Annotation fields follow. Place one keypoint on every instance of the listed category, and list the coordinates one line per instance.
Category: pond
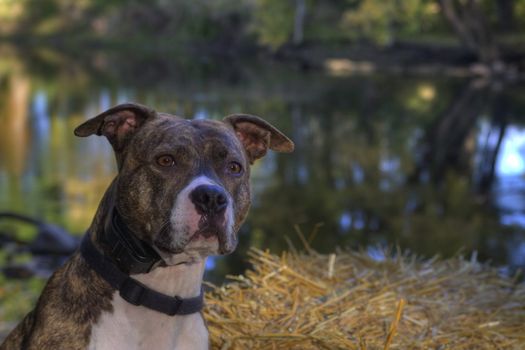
(429, 164)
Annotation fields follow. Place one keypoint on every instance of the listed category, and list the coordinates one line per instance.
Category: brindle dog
(164, 163)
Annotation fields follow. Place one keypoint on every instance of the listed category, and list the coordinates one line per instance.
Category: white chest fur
(131, 327)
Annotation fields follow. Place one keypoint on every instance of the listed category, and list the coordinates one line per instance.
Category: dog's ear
(257, 136)
(117, 123)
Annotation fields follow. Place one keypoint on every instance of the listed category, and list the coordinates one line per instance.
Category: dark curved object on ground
(50, 248)
(50, 240)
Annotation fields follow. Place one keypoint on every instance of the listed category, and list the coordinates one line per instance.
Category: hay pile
(350, 301)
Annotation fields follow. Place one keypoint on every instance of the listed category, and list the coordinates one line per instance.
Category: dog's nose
(209, 199)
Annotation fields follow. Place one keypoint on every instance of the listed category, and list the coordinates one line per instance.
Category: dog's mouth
(210, 225)
(213, 236)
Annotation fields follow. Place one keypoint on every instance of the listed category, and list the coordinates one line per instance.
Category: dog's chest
(130, 327)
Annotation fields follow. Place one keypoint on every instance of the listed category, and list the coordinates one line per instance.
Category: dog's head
(183, 185)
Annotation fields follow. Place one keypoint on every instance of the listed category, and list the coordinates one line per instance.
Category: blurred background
(408, 119)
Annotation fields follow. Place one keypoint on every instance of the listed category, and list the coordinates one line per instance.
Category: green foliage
(273, 22)
(269, 23)
(382, 21)
(17, 298)
(519, 14)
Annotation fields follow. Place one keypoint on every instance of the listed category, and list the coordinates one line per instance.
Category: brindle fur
(144, 193)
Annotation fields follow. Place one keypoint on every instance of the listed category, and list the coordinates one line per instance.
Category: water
(433, 164)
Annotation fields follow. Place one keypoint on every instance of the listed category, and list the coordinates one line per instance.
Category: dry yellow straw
(308, 301)
(393, 326)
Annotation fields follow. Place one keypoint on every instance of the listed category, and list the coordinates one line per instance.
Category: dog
(181, 193)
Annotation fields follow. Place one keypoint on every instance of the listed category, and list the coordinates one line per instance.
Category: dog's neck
(183, 280)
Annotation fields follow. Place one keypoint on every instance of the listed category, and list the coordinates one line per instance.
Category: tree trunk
(506, 20)
(471, 25)
(298, 28)
(443, 146)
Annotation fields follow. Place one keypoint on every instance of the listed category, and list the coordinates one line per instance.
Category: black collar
(130, 254)
(132, 290)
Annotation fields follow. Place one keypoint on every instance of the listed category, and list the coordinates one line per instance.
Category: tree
(472, 26)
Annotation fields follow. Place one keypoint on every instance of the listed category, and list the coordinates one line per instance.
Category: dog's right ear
(117, 123)
(257, 136)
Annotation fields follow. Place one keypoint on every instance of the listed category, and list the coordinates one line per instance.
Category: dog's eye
(234, 168)
(166, 161)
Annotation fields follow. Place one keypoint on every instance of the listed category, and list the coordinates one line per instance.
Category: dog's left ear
(117, 123)
(257, 136)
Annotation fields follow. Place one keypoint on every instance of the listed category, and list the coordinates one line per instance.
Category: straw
(350, 301)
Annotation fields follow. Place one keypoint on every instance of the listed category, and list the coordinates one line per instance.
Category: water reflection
(432, 164)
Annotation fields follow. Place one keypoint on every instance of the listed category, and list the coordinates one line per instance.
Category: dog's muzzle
(201, 221)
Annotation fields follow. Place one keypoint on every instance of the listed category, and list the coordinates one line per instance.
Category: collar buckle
(174, 307)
